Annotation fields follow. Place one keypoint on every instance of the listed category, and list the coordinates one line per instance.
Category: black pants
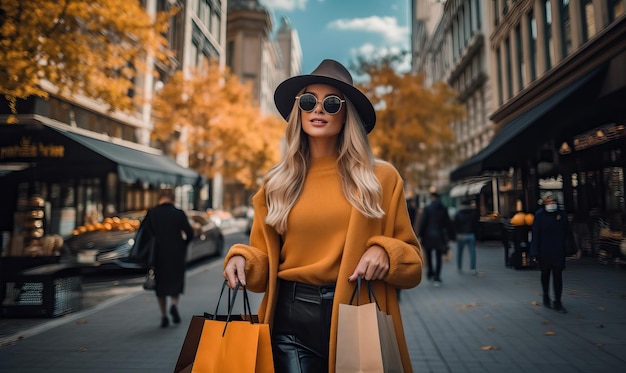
(434, 269)
(301, 331)
(548, 268)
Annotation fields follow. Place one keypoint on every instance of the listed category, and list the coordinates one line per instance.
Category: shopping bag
(150, 281)
(226, 343)
(366, 339)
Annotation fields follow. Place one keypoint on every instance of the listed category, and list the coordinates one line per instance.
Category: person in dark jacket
(550, 234)
(466, 222)
(435, 230)
(172, 232)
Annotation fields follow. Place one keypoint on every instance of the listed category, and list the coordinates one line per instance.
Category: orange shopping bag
(227, 343)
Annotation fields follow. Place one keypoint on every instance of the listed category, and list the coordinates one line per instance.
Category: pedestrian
(435, 231)
(551, 233)
(172, 232)
(325, 214)
(466, 223)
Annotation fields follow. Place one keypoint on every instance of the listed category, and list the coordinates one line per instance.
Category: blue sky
(344, 29)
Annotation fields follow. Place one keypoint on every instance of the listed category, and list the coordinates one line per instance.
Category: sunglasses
(331, 104)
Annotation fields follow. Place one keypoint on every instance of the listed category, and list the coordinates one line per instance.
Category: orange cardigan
(393, 232)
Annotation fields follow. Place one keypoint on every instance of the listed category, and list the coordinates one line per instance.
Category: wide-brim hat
(332, 73)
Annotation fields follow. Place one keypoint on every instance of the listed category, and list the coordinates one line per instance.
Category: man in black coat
(551, 233)
(172, 232)
(435, 230)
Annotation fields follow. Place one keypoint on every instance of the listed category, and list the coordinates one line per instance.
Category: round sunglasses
(331, 104)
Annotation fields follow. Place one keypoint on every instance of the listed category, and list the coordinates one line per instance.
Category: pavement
(490, 322)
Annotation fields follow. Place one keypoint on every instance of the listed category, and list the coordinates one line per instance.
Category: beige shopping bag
(366, 339)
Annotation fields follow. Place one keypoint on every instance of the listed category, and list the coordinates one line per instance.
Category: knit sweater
(316, 228)
(393, 232)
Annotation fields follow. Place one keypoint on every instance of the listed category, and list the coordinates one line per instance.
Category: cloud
(285, 5)
(374, 52)
(385, 26)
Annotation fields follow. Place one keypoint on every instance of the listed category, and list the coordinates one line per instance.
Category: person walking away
(466, 222)
(172, 231)
(550, 234)
(327, 213)
(435, 230)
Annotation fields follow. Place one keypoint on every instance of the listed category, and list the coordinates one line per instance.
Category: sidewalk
(493, 322)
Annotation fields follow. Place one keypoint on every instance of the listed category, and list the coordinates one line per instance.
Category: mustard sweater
(338, 247)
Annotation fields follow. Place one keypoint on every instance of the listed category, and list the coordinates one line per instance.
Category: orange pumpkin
(518, 219)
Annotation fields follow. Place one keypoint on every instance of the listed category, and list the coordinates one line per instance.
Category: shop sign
(29, 149)
(599, 135)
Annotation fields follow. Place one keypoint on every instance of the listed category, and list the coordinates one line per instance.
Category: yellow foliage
(94, 48)
(413, 120)
(215, 118)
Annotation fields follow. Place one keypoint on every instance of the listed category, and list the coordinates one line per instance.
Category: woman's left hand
(374, 264)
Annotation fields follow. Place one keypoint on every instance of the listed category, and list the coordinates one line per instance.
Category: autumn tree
(94, 48)
(213, 117)
(413, 121)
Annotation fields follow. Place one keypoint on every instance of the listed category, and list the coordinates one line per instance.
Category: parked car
(108, 244)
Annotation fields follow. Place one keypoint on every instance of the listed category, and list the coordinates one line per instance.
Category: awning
(514, 138)
(135, 165)
(57, 154)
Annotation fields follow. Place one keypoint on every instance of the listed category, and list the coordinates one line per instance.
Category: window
(521, 66)
(566, 28)
(587, 17)
(496, 13)
(507, 66)
(499, 75)
(532, 30)
(548, 34)
(616, 9)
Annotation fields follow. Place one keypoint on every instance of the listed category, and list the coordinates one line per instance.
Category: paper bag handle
(357, 292)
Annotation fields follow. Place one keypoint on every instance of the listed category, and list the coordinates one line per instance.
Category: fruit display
(109, 224)
(522, 218)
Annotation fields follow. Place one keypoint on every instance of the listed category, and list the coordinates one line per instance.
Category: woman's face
(318, 123)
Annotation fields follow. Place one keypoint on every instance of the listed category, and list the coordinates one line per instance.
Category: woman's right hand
(234, 271)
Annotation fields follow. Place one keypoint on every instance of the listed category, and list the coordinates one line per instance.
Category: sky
(344, 29)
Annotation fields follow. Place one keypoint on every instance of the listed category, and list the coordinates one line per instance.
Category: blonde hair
(283, 183)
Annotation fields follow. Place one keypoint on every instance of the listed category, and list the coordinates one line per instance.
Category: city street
(492, 322)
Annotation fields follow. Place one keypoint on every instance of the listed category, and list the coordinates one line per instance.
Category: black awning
(136, 165)
(515, 137)
(54, 153)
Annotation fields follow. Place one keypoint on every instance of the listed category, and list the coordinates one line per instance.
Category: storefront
(570, 142)
(54, 178)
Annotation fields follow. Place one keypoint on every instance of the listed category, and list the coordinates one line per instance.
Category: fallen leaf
(466, 306)
(546, 323)
(535, 303)
(491, 329)
(489, 347)
(81, 322)
(82, 349)
(572, 292)
(550, 332)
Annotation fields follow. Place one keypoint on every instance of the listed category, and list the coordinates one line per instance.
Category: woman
(166, 224)
(327, 213)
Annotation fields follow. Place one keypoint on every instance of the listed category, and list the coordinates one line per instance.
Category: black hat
(332, 73)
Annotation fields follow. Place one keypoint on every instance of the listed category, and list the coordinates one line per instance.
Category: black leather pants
(301, 331)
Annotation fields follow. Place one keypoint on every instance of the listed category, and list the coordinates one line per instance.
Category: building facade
(450, 45)
(559, 88)
(82, 162)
